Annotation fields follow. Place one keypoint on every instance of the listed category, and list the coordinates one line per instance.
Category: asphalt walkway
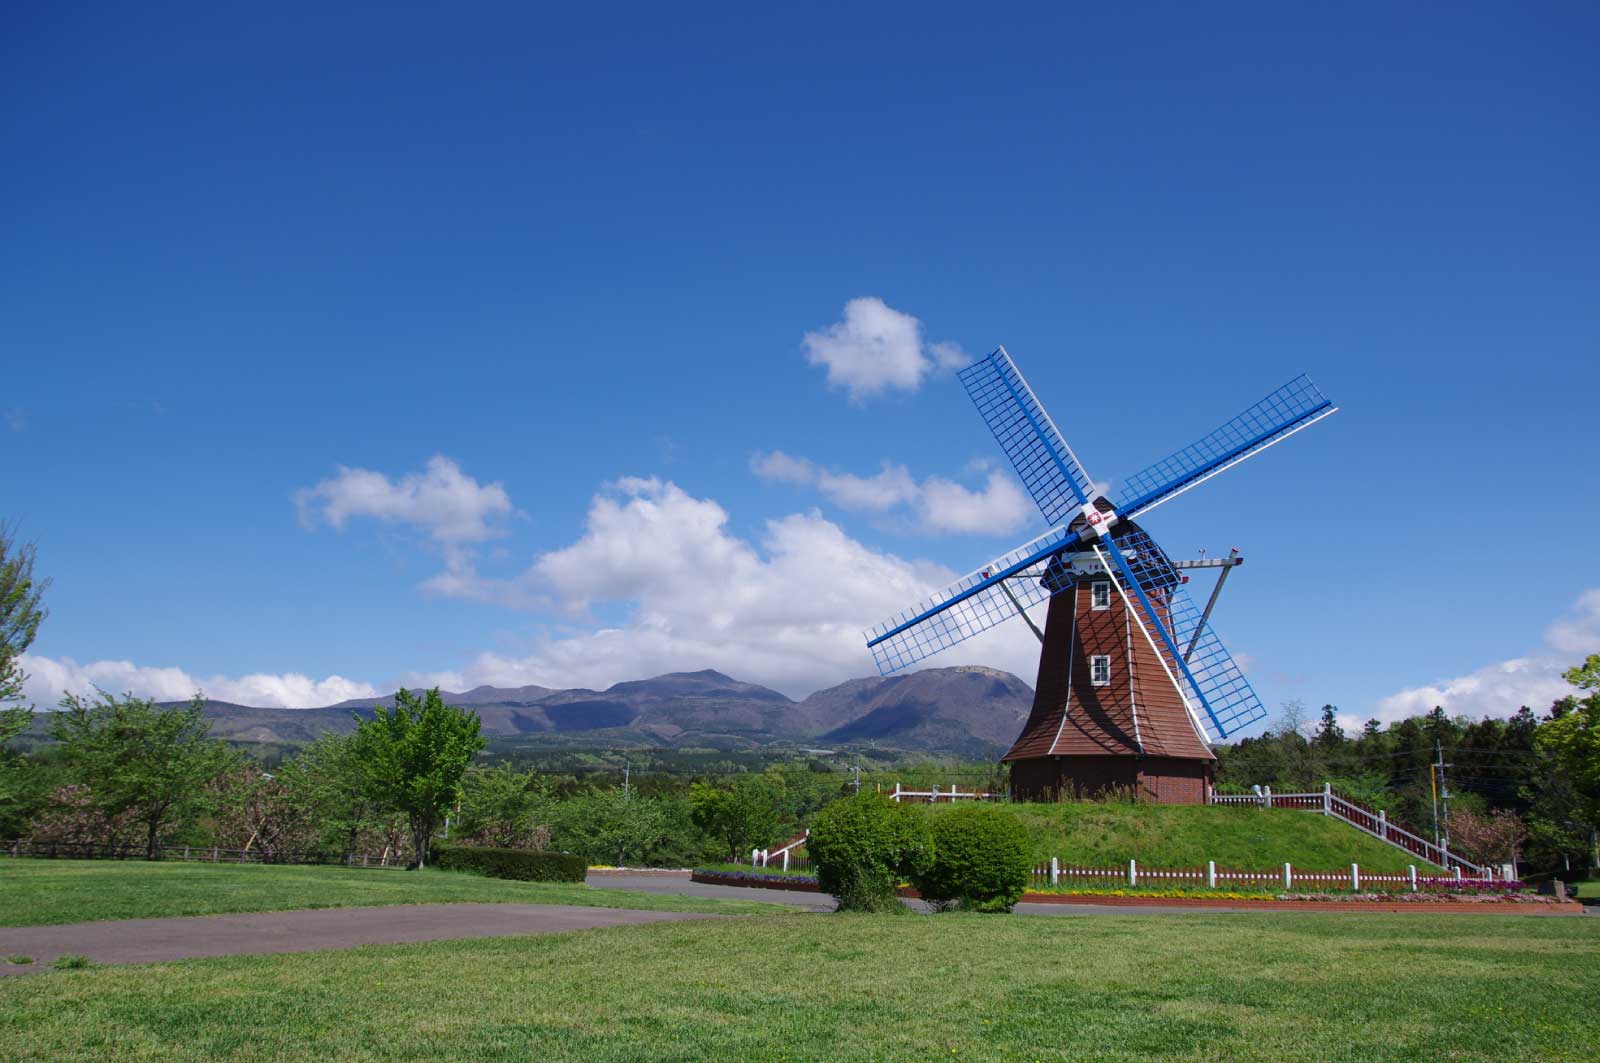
(186, 937)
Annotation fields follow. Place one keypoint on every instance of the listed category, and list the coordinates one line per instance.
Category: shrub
(523, 865)
(71, 961)
(980, 860)
(863, 846)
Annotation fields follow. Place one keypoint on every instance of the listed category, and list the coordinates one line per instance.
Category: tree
(614, 826)
(741, 817)
(1486, 838)
(255, 811)
(412, 758)
(502, 808)
(139, 757)
(1572, 739)
(327, 781)
(20, 616)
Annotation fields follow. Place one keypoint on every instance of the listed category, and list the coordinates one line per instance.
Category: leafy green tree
(503, 808)
(139, 757)
(412, 758)
(615, 826)
(21, 613)
(1572, 740)
(741, 817)
(327, 781)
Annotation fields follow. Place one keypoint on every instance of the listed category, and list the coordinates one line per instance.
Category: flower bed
(1200, 897)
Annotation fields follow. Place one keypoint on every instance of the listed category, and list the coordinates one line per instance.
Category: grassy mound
(1095, 834)
(41, 892)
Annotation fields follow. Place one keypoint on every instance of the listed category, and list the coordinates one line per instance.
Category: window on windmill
(1100, 594)
(1100, 669)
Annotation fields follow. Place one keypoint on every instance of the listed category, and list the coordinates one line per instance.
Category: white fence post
(1055, 870)
(1288, 876)
(1355, 877)
(1327, 799)
(786, 859)
(1413, 878)
(1266, 796)
(1133, 872)
(1458, 872)
(1211, 874)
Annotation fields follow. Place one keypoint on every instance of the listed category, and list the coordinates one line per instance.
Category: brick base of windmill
(1107, 716)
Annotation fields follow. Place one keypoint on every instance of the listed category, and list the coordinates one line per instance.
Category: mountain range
(965, 710)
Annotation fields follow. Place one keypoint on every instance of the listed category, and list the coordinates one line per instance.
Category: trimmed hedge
(524, 865)
(980, 860)
(863, 846)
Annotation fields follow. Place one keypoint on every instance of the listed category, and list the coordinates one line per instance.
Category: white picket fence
(764, 857)
(1287, 877)
(1375, 823)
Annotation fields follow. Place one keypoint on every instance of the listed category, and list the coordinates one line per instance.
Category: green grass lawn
(38, 892)
(1270, 988)
(1096, 834)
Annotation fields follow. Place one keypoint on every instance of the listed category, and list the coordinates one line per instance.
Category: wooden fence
(193, 854)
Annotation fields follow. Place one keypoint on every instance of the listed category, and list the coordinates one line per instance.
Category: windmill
(1133, 684)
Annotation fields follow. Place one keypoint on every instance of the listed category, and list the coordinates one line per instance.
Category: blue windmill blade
(1220, 698)
(972, 604)
(1048, 468)
(1296, 405)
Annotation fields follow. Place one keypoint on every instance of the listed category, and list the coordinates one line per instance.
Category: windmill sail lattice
(1215, 692)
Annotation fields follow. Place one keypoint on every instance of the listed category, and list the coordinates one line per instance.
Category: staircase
(1361, 818)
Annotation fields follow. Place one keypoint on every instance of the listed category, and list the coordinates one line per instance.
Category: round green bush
(980, 860)
(863, 846)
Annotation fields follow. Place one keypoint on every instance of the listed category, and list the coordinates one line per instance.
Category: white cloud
(51, 677)
(450, 506)
(787, 610)
(1578, 632)
(1501, 688)
(936, 504)
(875, 348)
(17, 419)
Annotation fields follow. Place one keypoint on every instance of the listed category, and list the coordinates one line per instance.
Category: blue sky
(346, 348)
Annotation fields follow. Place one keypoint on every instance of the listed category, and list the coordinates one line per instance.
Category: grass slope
(1096, 834)
(1270, 988)
(40, 892)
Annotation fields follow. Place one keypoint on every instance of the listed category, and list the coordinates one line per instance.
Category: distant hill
(958, 710)
(941, 710)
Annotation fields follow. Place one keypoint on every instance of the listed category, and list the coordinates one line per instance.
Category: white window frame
(1097, 677)
(1100, 595)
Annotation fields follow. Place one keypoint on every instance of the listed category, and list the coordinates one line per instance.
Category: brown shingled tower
(1106, 712)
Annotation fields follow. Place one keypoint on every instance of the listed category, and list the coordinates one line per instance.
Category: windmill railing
(1367, 820)
(935, 794)
(1286, 877)
(788, 856)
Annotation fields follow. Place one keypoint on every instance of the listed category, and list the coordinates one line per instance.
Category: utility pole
(626, 769)
(858, 778)
(1441, 793)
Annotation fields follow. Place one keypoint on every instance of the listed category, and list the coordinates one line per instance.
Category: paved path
(184, 937)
